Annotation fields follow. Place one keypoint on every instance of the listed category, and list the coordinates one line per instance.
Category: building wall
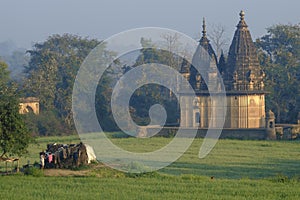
(30, 104)
(186, 115)
(243, 111)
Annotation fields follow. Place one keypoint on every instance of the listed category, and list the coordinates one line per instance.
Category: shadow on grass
(270, 168)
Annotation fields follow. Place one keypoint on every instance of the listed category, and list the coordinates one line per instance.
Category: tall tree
(149, 94)
(14, 136)
(280, 57)
(52, 71)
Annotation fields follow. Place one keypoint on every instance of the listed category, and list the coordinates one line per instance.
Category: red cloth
(50, 158)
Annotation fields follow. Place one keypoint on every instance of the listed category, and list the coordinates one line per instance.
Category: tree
(4, 77)
(280, 58)
(149, 94)
(51, 74)
(14, 136)
(16, 61)
(218, 39)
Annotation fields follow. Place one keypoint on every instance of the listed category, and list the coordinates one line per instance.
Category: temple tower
(242, 77)
(203, 107)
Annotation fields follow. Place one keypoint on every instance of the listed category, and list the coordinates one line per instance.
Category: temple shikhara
(243, 82)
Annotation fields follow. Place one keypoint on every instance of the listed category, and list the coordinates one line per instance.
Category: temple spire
(243, 71)
(242, 15)
(203, 28)
(203, 52)
(242, 23)
(204, 40)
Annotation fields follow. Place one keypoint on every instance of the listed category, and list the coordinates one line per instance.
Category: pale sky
(28, 21)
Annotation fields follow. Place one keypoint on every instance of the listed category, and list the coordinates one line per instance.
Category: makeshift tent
(68, 155)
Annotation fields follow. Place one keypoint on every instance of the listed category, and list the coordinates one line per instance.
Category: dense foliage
(14, 136)
(50, 76)
(150, 94)
(280, 59)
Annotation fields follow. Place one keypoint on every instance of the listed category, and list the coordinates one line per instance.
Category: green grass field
(241, 170)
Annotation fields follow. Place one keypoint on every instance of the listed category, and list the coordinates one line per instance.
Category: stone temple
(243, 81)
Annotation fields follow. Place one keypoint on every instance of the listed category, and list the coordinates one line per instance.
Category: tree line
(53, 65)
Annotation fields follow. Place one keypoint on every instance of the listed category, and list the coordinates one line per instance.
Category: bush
(117, 135)
(32, 171)
(106, 172)
(47, 123)
(281, 178)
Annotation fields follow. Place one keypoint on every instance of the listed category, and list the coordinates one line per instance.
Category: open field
(240, 170)
(183, 187)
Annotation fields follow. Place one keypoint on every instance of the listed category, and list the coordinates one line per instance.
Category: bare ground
(68, 172)
(65, 172)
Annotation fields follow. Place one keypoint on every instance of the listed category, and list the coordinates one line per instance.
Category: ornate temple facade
(243, 83)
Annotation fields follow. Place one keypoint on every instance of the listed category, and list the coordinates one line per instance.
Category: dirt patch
(65, 172)
(68, 172)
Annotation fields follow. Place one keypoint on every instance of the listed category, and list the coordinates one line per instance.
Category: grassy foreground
(182, 187)
(241, 170)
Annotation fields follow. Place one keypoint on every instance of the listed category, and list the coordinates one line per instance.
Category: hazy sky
(29, 21)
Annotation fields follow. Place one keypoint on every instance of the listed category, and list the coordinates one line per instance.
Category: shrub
(32, 171)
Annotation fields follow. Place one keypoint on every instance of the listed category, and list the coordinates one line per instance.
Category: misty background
(24, 23)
